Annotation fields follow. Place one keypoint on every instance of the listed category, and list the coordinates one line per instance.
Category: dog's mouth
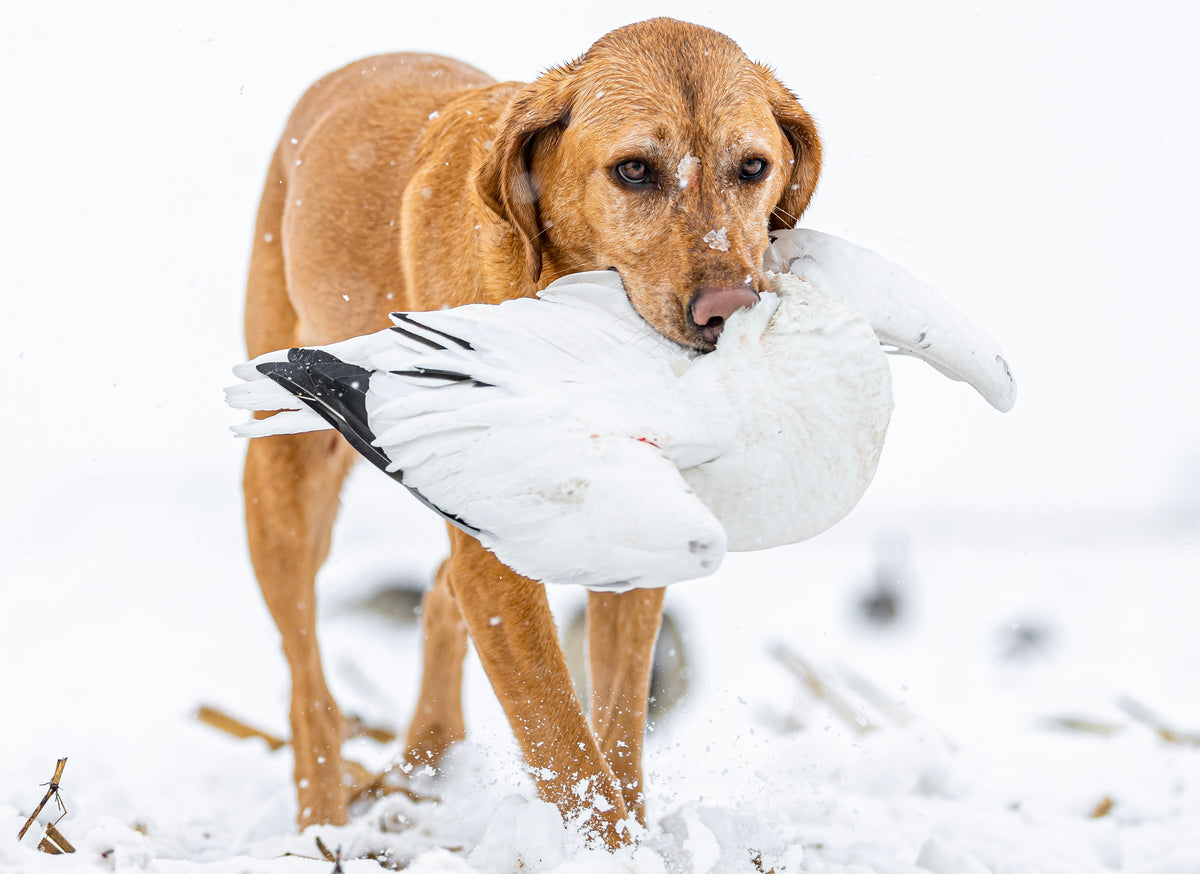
(710, 307)
(662, 323)
(696, 323)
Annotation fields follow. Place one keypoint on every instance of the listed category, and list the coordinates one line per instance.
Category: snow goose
(581, 446)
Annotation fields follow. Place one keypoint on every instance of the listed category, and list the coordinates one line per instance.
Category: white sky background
(1036, 162)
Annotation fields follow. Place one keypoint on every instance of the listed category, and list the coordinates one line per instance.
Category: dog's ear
(506, 182)
(801, 133)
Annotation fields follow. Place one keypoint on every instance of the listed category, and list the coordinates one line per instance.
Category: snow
(1029, 160)
(717, 238)
(689, 167)
(961, 771)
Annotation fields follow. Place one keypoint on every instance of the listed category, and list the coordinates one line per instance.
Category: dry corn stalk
(219, 719)
(226, 723)
(1083, 725)
(820, 688)
(53, 841)
(1103, 808)
(355, 727)
(363, 783)
(1141, 713)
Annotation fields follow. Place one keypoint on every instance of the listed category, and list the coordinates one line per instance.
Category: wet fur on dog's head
(663, 153)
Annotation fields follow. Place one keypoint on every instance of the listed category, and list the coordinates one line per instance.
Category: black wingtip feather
(447, 375)
(336, 390)
(407, 318)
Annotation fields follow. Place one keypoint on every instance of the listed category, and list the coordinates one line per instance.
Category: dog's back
(333, 193)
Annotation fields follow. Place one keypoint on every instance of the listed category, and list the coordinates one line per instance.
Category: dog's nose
(712, 305)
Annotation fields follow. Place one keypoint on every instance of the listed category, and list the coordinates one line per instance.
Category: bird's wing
(552, 499)
(904, 312)
(563, 505)
(259, 392)
(460, 405)
(583, 329)
(337, 392)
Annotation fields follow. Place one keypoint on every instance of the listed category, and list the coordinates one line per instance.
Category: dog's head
(665, 154)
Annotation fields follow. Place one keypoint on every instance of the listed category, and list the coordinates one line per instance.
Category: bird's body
(581, 446)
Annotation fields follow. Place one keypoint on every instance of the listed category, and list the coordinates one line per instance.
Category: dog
(415, 182)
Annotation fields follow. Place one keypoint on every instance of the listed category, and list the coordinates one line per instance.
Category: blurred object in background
(1026, 639)
(669, 678)
(889, 591)
(398, 601)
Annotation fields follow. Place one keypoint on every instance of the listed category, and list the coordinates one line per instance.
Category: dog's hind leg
(291, 486)
(438, 719)
(513, 630)
(621, 633)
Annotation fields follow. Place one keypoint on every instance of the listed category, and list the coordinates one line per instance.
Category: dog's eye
(633, 172)
(751, 169)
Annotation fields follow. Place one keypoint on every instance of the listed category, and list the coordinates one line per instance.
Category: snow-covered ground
(1033, 161)
(123, 628)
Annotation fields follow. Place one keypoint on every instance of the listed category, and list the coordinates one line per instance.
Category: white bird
(581, 446)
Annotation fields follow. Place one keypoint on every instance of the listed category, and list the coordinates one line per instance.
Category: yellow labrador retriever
(414, 182)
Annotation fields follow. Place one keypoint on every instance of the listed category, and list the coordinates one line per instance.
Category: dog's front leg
(621, 634)
(510, 622)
